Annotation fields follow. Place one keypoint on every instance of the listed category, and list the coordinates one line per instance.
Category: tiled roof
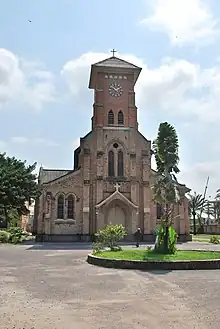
(47, 175)
(116, 62)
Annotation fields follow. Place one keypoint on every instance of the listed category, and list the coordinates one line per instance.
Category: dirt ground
(50, 288)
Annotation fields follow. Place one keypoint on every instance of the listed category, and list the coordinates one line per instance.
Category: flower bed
(149, 260)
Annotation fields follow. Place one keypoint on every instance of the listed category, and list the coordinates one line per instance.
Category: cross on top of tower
(113, 51)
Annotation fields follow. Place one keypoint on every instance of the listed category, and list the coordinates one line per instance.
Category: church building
(112, 177)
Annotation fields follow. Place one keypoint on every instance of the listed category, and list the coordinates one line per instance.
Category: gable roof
(60, 178)
(114, 196)
(116, 62)
(48, 175)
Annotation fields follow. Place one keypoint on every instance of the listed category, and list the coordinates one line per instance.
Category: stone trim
(100, 154)
(98, 105)
(117, 179)
(154, 265)
(65, 221)
(144, 153)
(61, 238)
(116, 195)
(116, 128)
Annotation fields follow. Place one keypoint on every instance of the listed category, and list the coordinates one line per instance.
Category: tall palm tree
(217, 194)
(196, 203)
(166, 189)
(217, 206)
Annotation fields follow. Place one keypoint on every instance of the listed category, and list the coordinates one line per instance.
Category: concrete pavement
(52, 286)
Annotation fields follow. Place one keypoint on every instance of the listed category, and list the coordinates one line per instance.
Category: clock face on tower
(115, 89)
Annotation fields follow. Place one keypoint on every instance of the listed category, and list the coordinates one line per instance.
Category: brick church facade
(112, 176)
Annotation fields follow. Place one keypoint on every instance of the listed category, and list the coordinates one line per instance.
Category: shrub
(160, 236)
(109, 237)
(4, 236)
(214, 240)
(16, 235)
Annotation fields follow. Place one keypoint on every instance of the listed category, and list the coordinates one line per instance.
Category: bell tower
(113, 81)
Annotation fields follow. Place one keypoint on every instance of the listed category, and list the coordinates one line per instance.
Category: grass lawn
(151, 256)
(204, 237)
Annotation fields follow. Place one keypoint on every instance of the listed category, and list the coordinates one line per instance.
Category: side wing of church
(112, 176)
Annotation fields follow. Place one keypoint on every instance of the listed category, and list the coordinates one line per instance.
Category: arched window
(120, 118)
(159, 211)
(60, 207)
(111, 117)
(120, 164)
(111, 163)
(70, 206)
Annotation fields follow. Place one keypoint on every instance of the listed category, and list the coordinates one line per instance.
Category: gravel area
(51, 286)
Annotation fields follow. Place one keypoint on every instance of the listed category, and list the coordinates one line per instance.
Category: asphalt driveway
(51, 286)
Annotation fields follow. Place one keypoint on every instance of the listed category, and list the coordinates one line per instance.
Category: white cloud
(177, 86)
(196, 177)
(175, 89)
(44, 142)
(19, 140)
(33, 141)
(185, 22)
(76, 143)
(2, 146)
(33, 87)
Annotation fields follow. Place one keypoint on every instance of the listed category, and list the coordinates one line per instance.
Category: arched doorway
(116, 215)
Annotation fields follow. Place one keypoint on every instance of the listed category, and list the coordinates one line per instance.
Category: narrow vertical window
(111, 170)
(111, 117)
(120, 118)
(159, 211)
(120, 164)
(70, 206)
(60, 207)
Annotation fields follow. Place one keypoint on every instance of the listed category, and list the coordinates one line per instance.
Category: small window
(120, 164)
(111, 164)
(60, 207)
(120, 118)
(70, 206)
(111, 118)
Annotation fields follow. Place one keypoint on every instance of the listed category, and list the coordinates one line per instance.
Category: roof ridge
(115, 58)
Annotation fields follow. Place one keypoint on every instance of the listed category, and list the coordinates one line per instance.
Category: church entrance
(116, 215)
(118, 211)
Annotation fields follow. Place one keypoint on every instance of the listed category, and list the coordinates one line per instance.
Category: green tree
(196, 203)
(166, 190)
(17, 185)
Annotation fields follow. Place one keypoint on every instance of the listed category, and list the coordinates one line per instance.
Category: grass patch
(149, 255)
(204, 237)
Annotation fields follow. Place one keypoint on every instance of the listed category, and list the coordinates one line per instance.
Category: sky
(45, 103)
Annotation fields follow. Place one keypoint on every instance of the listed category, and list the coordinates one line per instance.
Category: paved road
(51, 287)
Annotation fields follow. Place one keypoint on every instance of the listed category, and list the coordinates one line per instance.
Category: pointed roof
(116, 196)
(110, 64)
(116, 62)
